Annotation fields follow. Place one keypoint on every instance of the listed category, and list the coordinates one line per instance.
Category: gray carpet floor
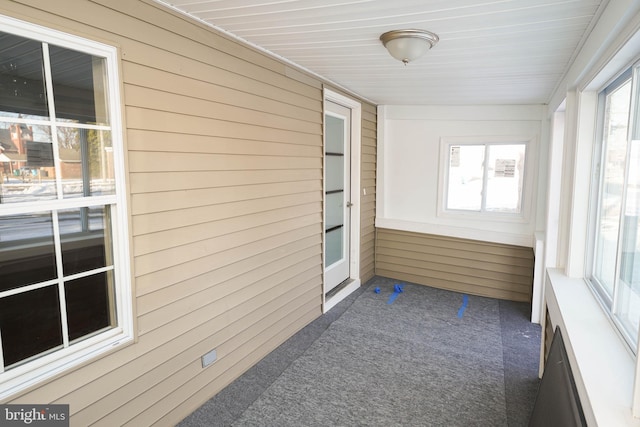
(430, 358)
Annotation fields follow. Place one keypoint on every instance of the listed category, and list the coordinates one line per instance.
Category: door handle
(349, 204)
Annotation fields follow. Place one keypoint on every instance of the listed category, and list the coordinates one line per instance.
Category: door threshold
(339, 293)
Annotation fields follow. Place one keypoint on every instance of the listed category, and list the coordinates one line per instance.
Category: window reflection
(466, 171)
(30, 323)
(613, 165)
(86, 162)
(505, 178)
(90, 304)
(629, 288)
(22, 87)
(79, 82)
(27, 171)
(27, 253)
(86, 239)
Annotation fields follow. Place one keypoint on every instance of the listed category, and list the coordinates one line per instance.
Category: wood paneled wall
(468, 266)
(224, 151)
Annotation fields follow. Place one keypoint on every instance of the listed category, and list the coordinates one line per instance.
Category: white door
(337, 180)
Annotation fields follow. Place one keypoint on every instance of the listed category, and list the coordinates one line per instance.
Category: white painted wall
(409, 164)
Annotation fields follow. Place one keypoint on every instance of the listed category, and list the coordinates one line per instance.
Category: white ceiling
(490, 51)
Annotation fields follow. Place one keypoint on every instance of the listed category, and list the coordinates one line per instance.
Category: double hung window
(64, 285)
(485, 177)
(615, 256)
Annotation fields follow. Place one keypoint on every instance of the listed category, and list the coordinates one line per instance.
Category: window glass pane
(505, 178)
(79, 82)
(628, 304)
(26, 163)
(90, 304)
(334, 210)
(466, 168)
(333, 249)
(616, 121)
(86, 162)
(22, 87)
(334, 172)
(85, 235)
(27, 252)
(30, 324)
(334, 134)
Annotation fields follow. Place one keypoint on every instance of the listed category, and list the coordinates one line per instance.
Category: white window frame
(527, 186)
(608, 302)
(56, 362)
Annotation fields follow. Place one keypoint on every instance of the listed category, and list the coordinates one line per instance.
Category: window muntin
(63, 256)
(615, 264)
(487, 177)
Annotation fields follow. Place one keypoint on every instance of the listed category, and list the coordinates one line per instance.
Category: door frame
(354, 250)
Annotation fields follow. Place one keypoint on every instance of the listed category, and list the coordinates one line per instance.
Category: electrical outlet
(209, 358)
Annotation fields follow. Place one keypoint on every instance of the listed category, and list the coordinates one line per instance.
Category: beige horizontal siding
(155, 202)
(368, 200)
(208, 144)
(178, 253)
(255, 257)
(162, 83)
(468, 266)
(154, 120)
(200, 268)
(182, 235)
(154, 182)
(197, 107)
(261, 276)
(153, 385)
(224, 166)
(164, 220)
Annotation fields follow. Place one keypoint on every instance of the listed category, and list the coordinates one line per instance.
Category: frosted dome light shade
(408, 45)
(407, 49)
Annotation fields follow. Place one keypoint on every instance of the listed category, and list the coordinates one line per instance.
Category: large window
(485, 177)
(616, 250)
(64, 286)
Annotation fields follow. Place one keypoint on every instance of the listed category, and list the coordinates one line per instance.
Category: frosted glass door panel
(334, 165)
(335, 211)
(334, 189)
(333, 242)
(334, 135)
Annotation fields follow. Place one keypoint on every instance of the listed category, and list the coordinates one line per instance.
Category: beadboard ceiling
(490, 51)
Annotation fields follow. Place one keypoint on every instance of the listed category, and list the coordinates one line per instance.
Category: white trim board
(356, 148)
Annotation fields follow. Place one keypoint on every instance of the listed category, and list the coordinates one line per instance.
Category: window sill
(602, 365)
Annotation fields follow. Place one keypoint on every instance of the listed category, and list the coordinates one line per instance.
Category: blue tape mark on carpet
(463, 307)
(397, 290)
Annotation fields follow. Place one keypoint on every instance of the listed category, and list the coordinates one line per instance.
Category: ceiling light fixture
(408, 45)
